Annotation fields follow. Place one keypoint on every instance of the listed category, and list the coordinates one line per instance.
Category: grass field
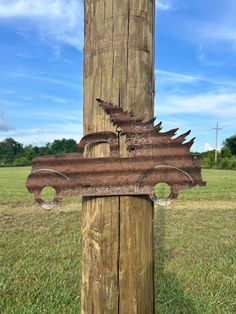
(195, 250)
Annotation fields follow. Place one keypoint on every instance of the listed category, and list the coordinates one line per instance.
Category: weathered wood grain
(117, 232)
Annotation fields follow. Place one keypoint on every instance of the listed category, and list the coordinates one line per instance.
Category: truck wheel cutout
(48, 194)
(48, 197)
(162, 190)
(162, 194)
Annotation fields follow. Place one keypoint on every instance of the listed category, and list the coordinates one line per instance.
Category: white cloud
(198, 102)
(4, 126)
(70, 82)
(209, 32)
(213, 31)
(173, 79)
(58, 100)
(8, 92)
(59, 20)
(214, 104)
(27, 98)
(44, 135)
(62, 116)
(164, 5)
(207, 147)
(217, 32)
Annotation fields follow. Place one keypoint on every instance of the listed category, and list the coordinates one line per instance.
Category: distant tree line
(226, 157)
(13, 153)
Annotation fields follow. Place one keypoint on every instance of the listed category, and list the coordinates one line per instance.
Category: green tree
(29, 153)
(44, 150)
(230, 143)
(13, 153)
(21, 161)
(225, 153)
(208, 159)
(63, 146)
(9, 150)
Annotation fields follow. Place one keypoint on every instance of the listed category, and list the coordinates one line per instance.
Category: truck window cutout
(100, 150)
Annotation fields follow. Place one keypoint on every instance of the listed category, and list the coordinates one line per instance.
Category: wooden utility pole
(217, 129)
(117, 232)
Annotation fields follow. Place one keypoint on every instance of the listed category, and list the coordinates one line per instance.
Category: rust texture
(154, 157)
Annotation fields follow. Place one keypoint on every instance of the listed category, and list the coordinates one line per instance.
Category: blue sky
(41, 69)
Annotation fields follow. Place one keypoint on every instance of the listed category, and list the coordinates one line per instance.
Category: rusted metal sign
(155, 157)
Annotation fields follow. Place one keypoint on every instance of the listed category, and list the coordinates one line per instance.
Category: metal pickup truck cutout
(155, 157)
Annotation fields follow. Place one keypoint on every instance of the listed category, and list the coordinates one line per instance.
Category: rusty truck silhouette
(152, 157)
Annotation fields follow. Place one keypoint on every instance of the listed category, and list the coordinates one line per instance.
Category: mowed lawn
(195, 250)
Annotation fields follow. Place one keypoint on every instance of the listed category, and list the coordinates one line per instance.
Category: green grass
(195, 250)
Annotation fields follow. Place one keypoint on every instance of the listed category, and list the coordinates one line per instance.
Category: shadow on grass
(170, 298)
